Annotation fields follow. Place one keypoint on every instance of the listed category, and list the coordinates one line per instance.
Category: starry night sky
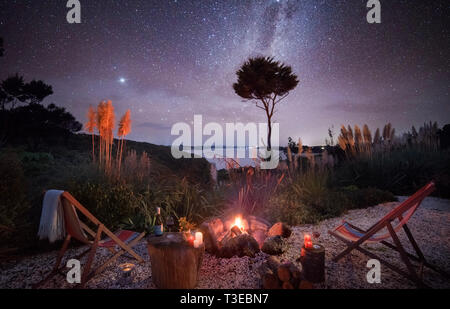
(167, 60)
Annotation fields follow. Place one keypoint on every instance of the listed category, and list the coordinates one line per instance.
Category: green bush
(310, 198)
(181, 198)
(112, 203)
(13, 188)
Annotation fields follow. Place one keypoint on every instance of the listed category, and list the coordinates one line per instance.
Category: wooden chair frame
(87, 273)
(405, 256)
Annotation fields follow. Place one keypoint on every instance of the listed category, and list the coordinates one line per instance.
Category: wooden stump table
(175, 263)
(313, 263)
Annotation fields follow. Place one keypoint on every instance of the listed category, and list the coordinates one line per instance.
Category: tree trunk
(175, 263)
(313, 262)
(269, 134)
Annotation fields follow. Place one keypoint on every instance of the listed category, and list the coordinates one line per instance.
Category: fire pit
(236, 235)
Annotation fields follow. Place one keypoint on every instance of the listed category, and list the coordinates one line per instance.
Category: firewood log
(295, 271)
(295, 275)
(287, 286)
(269, 278)
(273, 263)
(284, 274)
(235, 231)
(305, 285)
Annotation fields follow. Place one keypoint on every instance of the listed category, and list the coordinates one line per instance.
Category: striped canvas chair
(117, 243)
(384, 229)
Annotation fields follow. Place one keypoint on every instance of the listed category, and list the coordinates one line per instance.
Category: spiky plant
(358, 139)
(90, 126)
(123, 130)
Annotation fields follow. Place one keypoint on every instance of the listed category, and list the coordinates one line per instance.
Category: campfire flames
(238, 227)
(238, 223)
(234, 230)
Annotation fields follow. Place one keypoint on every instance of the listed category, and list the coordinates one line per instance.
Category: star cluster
(168, 60)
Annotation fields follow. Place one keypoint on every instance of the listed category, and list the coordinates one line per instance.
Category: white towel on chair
(52, 217)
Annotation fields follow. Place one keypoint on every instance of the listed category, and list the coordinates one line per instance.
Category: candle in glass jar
(199, 237)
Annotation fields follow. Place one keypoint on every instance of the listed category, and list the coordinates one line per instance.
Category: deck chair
(75, 228)
(354, 237)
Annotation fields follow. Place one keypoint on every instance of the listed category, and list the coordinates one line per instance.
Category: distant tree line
(23, 117)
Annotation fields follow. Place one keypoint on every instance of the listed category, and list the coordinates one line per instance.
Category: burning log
(219, 234)
(235, 231)
(212, 230)
(241, 245)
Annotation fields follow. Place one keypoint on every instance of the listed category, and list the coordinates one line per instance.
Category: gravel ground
(430, 227)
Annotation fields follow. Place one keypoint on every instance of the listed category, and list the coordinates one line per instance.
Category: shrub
(181, 198)
(112, 203)
(309, 199)
(13, 188)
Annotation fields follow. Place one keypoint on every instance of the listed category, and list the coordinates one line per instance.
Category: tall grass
(401, 171)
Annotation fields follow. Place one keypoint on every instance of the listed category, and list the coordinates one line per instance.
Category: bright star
(122, 80)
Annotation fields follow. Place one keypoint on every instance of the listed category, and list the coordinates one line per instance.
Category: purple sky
(178, 58)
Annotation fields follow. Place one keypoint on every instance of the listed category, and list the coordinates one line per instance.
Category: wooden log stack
(275, 275)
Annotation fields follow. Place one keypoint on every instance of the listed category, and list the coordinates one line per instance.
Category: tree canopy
(267, 82)
(263, 78)
(15, 90)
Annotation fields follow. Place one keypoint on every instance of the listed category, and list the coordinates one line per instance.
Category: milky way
(168, 60)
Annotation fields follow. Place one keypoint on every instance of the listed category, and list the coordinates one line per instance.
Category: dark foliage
(35, 123)
(444, 136)
(2, 50)
(14, 90)
(262, 78)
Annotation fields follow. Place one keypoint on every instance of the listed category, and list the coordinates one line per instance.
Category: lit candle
(308, 242)
(197, 243)
(127, 271)
(199, 237)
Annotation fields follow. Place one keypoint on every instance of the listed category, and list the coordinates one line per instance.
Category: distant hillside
(161, 158)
